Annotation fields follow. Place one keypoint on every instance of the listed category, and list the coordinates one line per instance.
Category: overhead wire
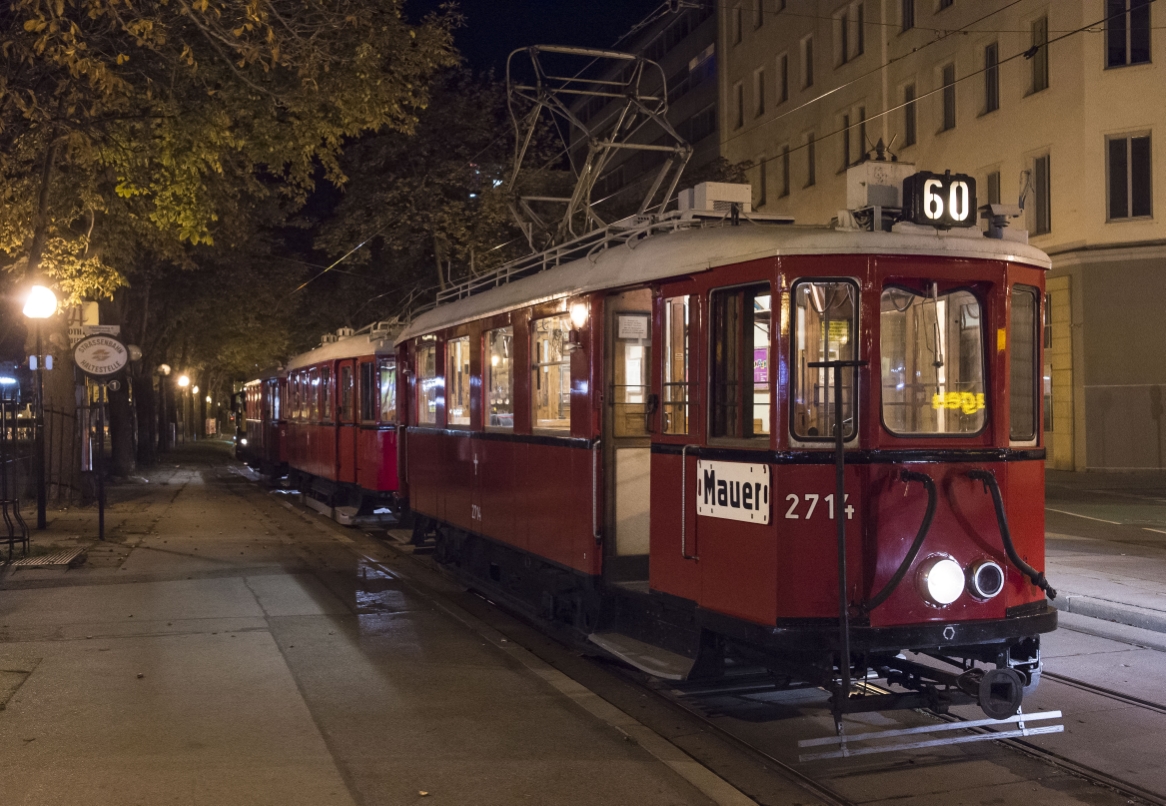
(1027, 53)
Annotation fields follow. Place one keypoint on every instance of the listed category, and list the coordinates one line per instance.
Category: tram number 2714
(811, 506)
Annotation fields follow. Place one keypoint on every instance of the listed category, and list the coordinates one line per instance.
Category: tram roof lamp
(183, 381)
(41, 303)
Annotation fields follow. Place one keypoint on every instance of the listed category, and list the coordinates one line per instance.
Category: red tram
(341, 412)
(635, 435)
(260, 441)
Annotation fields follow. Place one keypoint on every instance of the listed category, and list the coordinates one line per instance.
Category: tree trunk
(121, 430)
(142, 378)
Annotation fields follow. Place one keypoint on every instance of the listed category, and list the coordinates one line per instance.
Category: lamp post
(40, 304)
(183, 384)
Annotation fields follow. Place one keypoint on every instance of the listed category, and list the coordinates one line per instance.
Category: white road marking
(1086, 517)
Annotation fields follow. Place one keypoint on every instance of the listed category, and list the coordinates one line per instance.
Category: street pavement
(222, 648)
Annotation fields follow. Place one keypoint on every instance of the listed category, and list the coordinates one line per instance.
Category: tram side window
(346, 393)
(326, 393)
(932, 361)
(499, 378)
(825, 329)
(428, 384)
(302, 391)
(676, 378)
(314, 395)
(739, 369)
(550, 386)
(388, 391)
(457, 381)
(368, 391)
(1022, 367)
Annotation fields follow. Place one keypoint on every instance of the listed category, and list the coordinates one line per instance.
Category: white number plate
(732, 490)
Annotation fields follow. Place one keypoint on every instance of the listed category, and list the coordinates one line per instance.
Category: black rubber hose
(907, 476)
(990, 486)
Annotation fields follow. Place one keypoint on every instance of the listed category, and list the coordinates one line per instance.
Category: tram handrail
(988, 479)
(684, 503)
(907, 476)
(595, 532)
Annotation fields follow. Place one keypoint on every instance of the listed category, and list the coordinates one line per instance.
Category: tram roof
(695, 250)
(354, 346)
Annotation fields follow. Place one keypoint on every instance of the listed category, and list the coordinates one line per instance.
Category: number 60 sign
(940, 200)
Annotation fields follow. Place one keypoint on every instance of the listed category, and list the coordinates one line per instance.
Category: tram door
(627, 447)
(346, 433)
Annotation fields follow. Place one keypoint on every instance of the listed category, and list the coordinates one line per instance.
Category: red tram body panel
(647, 430)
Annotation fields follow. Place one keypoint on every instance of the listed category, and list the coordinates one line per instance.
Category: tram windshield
(932, 362)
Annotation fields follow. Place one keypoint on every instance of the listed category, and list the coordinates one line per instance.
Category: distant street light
(195, 390)
(40, 304)
(184, 381)
(208, 398)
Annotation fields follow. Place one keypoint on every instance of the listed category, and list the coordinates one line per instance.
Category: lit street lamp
(183, 384)
(41, 303)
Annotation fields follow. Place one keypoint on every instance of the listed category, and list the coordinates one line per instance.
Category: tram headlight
(986, 579)
(941, 580)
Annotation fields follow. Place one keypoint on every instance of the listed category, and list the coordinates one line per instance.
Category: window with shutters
(1041, 219)
(991, 78)
(1040, 58)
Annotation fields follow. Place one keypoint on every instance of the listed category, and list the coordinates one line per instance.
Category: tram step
(645, 657)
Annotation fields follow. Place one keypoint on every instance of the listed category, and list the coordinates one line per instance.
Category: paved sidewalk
(224, 649)
(1106, 553)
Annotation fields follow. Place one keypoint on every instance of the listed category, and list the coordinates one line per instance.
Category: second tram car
(261, 442)
(641, 442)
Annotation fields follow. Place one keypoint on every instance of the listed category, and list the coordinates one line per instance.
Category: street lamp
(183, 384)
(41, 303)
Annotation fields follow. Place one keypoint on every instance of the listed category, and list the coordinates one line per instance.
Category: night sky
(496, 27)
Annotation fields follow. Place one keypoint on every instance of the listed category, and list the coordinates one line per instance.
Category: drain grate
(69, 557)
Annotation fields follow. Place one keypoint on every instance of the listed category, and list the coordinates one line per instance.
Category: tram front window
(825, 328)
(932, 362)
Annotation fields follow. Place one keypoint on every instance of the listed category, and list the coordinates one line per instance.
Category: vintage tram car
(634, 435)
(261, 436)
(340, 407)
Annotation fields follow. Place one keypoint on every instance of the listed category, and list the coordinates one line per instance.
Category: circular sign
(100, 356)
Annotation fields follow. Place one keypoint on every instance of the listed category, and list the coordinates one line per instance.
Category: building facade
(1062, 103)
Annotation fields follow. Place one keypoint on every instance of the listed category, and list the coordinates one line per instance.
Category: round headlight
(941, 580)
(987, 579)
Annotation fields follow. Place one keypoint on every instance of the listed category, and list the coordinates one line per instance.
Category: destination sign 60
(940, 200)
(732, 490)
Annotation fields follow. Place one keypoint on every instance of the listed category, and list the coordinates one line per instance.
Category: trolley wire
(1028, 53)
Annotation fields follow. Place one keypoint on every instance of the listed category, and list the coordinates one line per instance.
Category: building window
(991, 78)
(1127, 32)
(675, 383)
(948, 97)
(428, 383)
(758, 13)
(946, 4)
(1022, 387)
(994, 187)
(1041, 220)
(845, 142)
(907, 15)
(783, 78)
(808, 62)
(550, 388)
(739, 92)
(500, 378)
(784, 171)
(759, 92)
(388, 390)
(1040, 58)
(739, 363)
(737, 25)
(1130, 178)
(811, 168)
(842, 25)
(850, 38)
(862, 141)
(825, 329)
(909, 119)
(763, 183)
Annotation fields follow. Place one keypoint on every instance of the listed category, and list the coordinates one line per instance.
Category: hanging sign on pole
(101, 357)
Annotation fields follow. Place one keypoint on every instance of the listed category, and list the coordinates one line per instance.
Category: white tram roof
(690, 251)
(360, 344)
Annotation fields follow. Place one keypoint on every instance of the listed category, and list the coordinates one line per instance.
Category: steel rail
(1101, 691)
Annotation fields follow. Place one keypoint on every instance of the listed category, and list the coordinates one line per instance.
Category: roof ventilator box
(873, 188)
(716, 197)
